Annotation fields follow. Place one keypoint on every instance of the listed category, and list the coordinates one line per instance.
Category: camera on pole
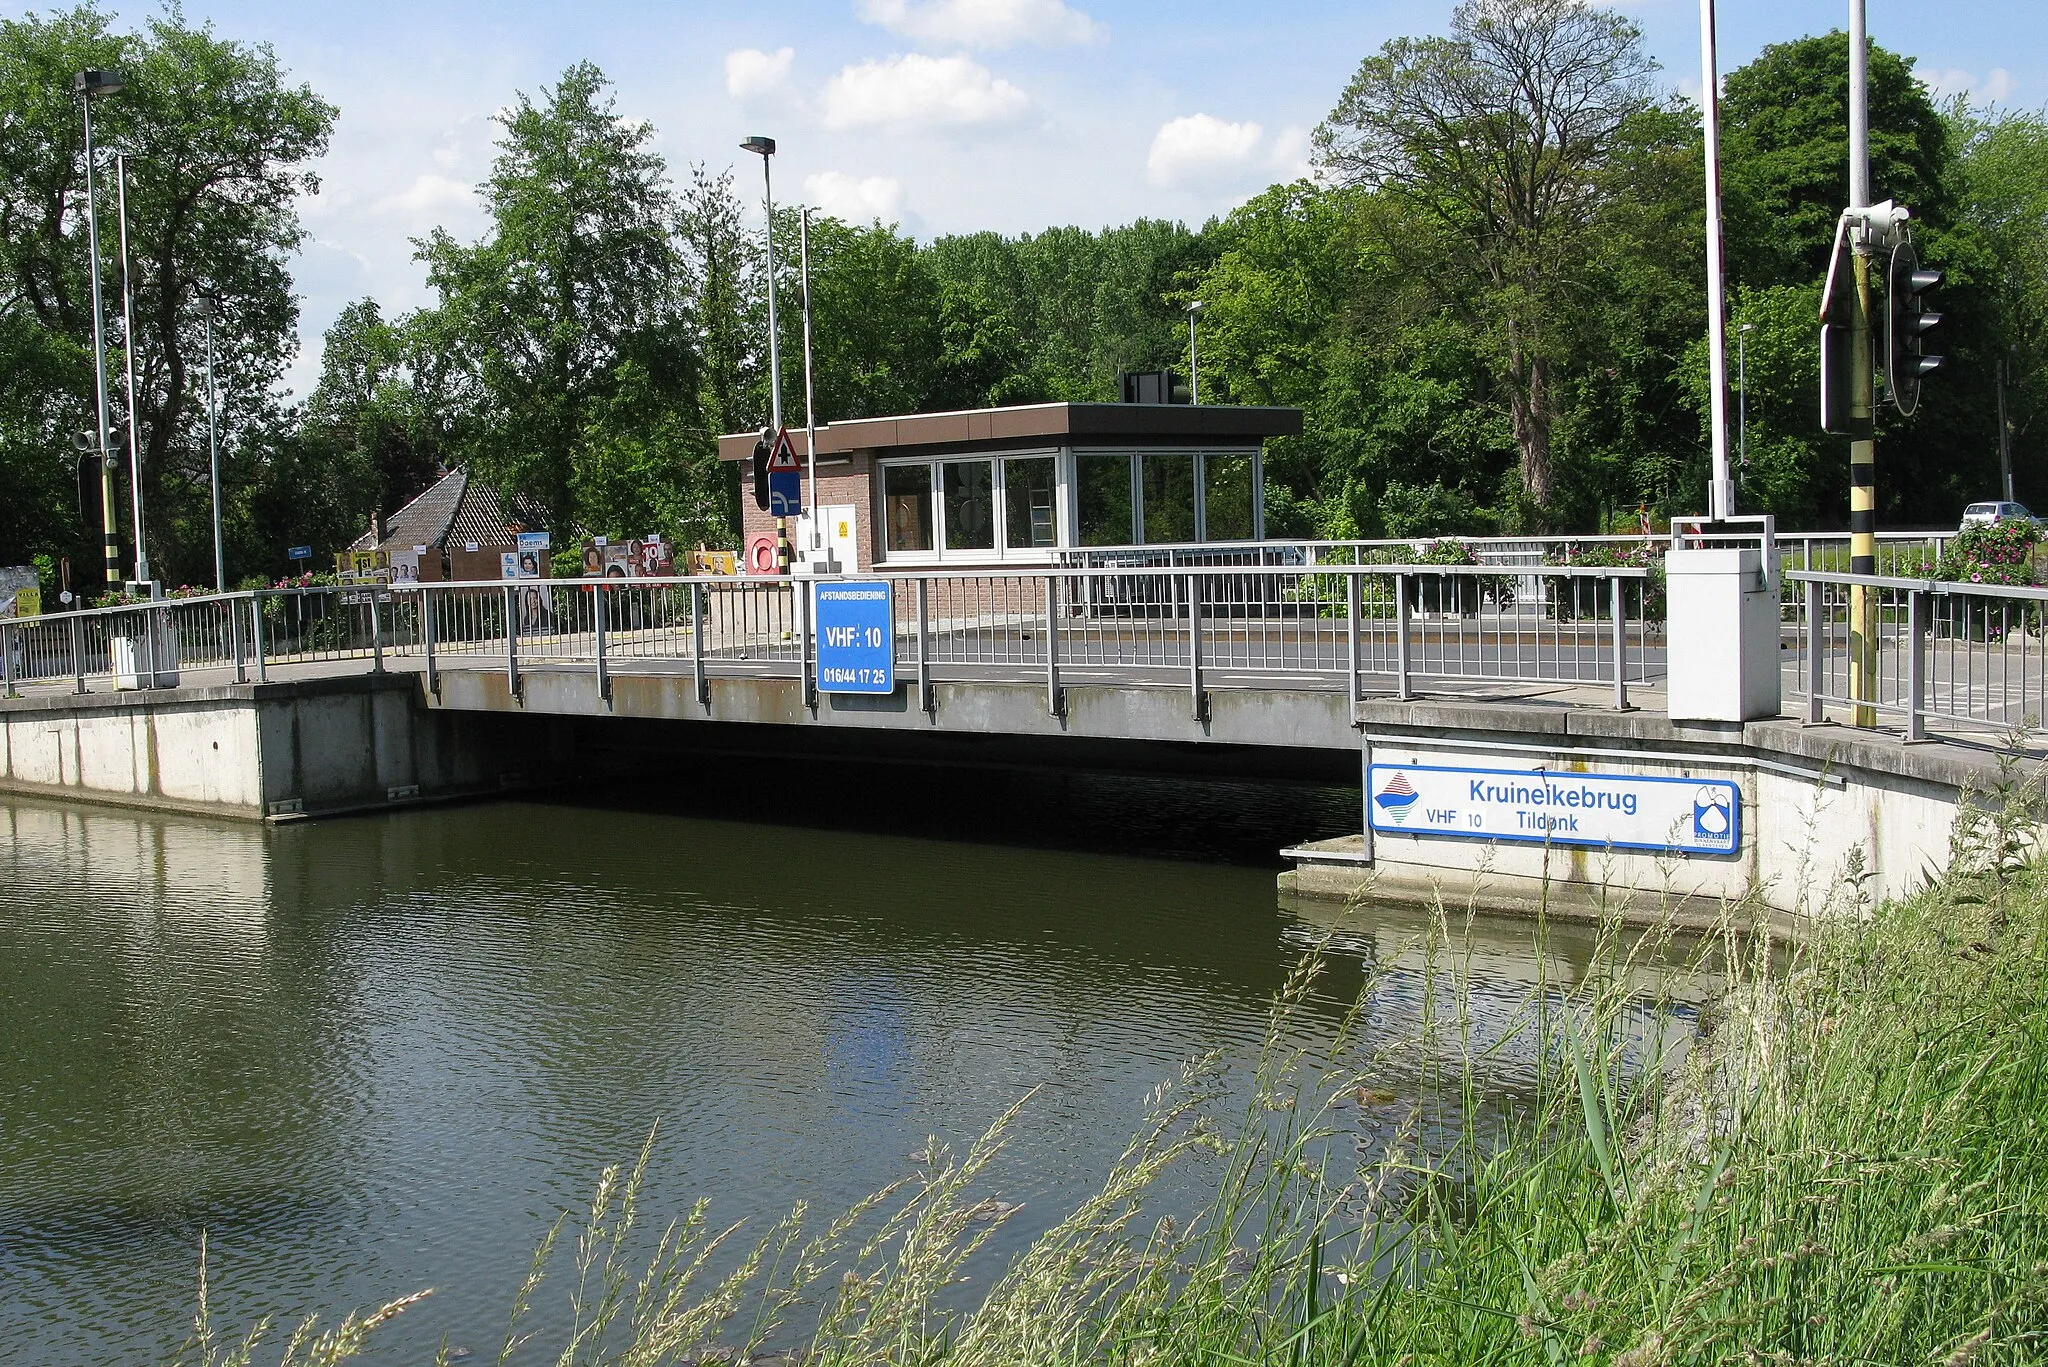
(1907, 320)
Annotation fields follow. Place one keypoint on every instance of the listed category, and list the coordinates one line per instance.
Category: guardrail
(1970, 655)
(1361, 628)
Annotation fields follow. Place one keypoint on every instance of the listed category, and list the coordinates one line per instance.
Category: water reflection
(372, 1055)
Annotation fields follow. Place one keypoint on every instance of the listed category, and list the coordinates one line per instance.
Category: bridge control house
(995, 487)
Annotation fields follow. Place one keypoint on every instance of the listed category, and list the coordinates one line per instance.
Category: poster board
(21, 593)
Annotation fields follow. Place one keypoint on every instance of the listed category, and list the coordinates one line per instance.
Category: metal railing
(1968, 655)
(1377, 628)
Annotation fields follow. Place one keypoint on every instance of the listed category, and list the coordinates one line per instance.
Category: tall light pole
(208, 306)
(142, 575)
(1742, 395)
(1194, 374)
(90, 84)
(810, 393)
(1721, 493)
(765, 148)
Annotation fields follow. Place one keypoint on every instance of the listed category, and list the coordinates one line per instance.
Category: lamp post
(765, 149)
(90, 84)
(1194, 375)
(810, 402)
(208, 306)
(1742, 396)
(142, 575)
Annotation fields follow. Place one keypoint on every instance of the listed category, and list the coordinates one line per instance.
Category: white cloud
(1995, 86)
(1201, 149)
(982, 23)
(751, 74)
(429, 199)
(911, 89)
(1289, 154)
(856, 199)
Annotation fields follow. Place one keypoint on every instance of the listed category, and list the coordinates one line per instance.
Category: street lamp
(1194, 377)
(208, 307)
(90, 84)
(765, 148)
(143, 579)
(1742, 395)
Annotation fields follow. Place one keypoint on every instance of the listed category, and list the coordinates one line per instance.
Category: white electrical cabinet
(834, 550)
(1721, 635)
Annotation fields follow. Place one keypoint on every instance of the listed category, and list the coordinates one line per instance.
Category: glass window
(1103, 497)
(1030, 503)
(1227, 498)
(1169, 498)
(907, 506)
(970, 505)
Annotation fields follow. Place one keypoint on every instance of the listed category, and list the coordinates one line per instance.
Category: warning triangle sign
(782, 456)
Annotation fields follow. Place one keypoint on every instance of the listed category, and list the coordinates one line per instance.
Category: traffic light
(761, 453)
(1907, 321)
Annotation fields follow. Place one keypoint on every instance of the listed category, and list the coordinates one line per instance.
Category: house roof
(453, 508)
(1064, 424)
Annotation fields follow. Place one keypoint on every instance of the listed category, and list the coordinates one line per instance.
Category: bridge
(339, 697)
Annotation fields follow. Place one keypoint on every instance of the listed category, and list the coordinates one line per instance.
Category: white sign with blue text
(1559, 807)
(856, 638)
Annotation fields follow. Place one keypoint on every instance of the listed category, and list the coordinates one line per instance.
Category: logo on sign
(1711, 819)
(1397, 798)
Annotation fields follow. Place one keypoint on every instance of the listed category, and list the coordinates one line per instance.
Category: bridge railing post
(698, 617)
(256, 637)
(1201, 698)
(235, 637)
(427, 614)
(376, 634)
(800, 591)
(924, 648)
(1916, 665)
(77, 657)
(1055, 699)
(1402, 690)
(9, 635)
(1353, 604)
(1816, 644)
(1616, 601)
(598, 614)
(511, 640)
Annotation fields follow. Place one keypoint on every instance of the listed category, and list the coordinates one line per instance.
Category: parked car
(1978, 513)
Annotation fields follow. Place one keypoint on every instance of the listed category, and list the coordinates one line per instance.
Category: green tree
(218, 142)
(571, 312)
(1491, 142)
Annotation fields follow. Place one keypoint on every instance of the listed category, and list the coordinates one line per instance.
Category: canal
(366, 1056)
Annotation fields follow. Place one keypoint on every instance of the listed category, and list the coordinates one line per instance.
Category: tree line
(1489, 299)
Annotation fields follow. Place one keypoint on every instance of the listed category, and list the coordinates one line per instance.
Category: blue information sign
(785, 493)
(856, 638)
(1619, 811)
(301, 553)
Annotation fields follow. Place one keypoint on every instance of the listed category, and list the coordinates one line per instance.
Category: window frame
(1003, 552)
(1198, 457)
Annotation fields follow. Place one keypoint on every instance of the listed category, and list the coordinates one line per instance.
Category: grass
(1847, 1162)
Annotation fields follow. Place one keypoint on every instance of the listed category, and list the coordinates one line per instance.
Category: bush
(1571, 599)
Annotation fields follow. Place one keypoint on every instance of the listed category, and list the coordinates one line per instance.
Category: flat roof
(1059, 424)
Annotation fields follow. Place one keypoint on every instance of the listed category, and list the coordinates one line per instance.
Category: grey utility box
(1721, 635)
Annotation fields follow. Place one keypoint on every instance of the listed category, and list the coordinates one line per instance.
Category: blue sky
(943, 115)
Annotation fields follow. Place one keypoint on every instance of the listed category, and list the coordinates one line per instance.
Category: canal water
(367, 1056)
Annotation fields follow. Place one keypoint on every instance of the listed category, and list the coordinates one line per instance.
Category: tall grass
(1846, 1162)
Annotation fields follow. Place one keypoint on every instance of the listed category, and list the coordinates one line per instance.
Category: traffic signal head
(762, 449)
(1907, 320)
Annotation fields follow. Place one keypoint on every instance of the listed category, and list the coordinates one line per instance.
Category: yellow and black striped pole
(109, 528)
(1862, 495)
